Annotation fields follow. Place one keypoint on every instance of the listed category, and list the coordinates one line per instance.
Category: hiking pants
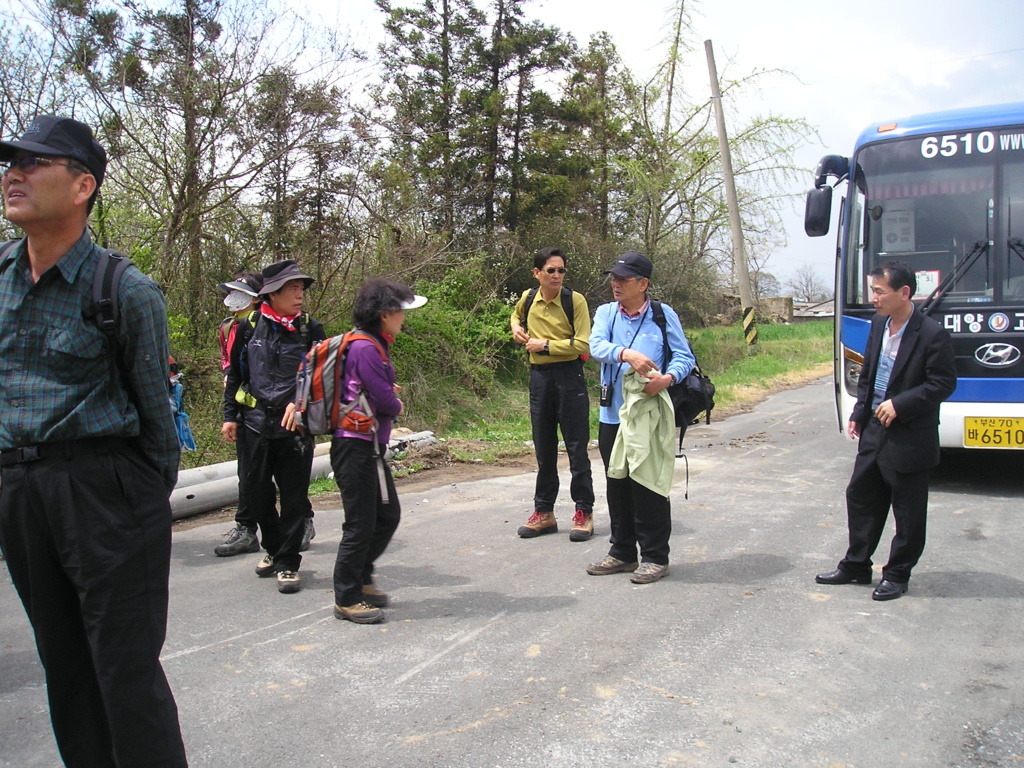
(286, 461)
(559, 399)
(639, 516)
(369, 522)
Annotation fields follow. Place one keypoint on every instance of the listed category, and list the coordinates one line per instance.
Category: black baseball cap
(52, 136)
(632, 264)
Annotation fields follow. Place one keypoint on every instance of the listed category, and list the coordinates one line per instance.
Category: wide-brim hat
(277, 274)
(631, 264)
(239, 285)
(52, 136)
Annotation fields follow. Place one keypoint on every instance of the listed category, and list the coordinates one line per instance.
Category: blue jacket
(613, 331)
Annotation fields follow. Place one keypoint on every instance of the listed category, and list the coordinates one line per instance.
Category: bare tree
(807, 285)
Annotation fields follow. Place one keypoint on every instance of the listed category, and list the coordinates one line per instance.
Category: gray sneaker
(610, 565)
(307, 535)
(648, 573)
(240, 540)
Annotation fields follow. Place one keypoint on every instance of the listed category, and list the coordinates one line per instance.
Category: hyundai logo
(997, 355)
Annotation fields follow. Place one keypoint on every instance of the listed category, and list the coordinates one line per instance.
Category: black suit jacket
(923, 375)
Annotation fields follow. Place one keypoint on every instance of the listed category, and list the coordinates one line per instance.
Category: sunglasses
(552, 270)
(29, 163)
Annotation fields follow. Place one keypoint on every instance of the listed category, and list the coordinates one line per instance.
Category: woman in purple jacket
(367, 490)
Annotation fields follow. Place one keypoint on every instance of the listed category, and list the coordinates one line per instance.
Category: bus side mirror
(818, 212)
(831, 165)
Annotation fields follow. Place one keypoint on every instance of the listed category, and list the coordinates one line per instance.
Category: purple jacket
(364, 369)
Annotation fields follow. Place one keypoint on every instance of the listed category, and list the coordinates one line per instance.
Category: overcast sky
(853, 63)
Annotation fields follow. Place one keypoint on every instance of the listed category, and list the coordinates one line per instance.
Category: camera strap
(618, 370)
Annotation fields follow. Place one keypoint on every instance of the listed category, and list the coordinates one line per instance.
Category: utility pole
(739, 255)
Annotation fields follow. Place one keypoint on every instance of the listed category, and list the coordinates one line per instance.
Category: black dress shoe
(889, 590)
(839, 576)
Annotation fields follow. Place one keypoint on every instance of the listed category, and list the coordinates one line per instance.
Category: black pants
(244, 515)
(87, 540)
(369, 522)
(288, 461)
(559, 400)
(639, 516)
(875, 487)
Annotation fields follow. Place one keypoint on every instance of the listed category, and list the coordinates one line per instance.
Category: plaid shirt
(57, 381)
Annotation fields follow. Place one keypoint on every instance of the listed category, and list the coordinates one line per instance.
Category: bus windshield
(950, 206)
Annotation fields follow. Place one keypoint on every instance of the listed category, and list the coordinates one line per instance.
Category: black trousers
(244, 515)
(875, 487)
(559, 400)
(369, 522)
(639, 516)
(286, 461)
(87, 540)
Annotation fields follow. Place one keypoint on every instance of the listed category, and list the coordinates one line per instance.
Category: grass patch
(322, 485)
(785, 354)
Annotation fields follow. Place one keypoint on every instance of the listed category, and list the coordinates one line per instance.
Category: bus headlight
(852, 364)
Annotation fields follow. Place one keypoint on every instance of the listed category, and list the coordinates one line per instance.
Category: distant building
(814, 310)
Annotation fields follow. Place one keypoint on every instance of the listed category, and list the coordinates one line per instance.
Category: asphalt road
(502, 652)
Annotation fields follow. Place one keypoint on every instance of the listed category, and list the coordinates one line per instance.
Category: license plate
(993, 432)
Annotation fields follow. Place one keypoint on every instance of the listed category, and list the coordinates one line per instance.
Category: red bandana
(284, 322)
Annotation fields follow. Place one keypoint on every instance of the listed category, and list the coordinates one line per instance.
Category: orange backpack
(318, 406)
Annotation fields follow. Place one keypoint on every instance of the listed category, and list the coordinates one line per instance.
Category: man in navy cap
(88, 458)
(637, 423)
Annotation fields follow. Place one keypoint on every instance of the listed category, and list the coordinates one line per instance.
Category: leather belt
(66, 449)
(555, 366)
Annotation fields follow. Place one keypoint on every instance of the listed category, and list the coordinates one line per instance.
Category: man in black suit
(908, 371)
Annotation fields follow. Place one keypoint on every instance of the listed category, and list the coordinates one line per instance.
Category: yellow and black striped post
(749, 326)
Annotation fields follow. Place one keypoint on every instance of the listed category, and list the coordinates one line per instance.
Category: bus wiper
(951, 279)
(1017, 246)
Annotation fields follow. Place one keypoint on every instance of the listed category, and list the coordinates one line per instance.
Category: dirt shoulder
(437, 464)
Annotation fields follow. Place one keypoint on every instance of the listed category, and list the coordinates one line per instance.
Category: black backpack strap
(304, 331)
(658, 314)
(109, 267)
(5, 251)
(529, 303)
(570, 311)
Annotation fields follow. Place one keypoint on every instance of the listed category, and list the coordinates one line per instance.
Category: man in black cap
(88, 456)
(639, 361)
(266, 366)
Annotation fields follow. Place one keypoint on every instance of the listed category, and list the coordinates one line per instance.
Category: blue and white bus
(943, 192)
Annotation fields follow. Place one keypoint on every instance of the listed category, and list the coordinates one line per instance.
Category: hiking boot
(288, 582)
(307, 535)
(582, 526)
(648, 573)
(360, 613)
(539, 524)
(610, 565)
(240, 540)
(374, 596)
(266, 565)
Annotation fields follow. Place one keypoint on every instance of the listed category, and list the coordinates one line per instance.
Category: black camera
(606, 395)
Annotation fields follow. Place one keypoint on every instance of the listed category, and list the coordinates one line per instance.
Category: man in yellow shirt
(558, 345)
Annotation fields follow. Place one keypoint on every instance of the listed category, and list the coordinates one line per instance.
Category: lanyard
(618, 370)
